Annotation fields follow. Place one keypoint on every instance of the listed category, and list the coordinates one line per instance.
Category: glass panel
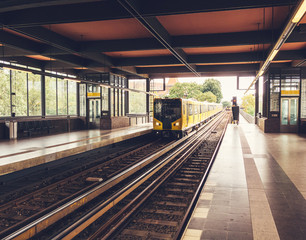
(167, 109)
(112, 79)
(94, 111)
(290, 81)
(62, 96)
(72, 98)
(34, 85)
(274, 92)
(116, 102)
(91, 110)
(105, 99)
(120, 102)
(293, 111)
(19, 87)
(112, 102)
(98, 111)
(123, 103)
(303, 98)
(5, 100)
(50, 96)
(137, 101)
(82, 90)
(157, 84)
(285, 109)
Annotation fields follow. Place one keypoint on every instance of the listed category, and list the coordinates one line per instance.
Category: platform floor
(19, 154)
(256, 188)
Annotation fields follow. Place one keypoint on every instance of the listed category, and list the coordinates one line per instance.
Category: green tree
(214, 86)
(248, 103)
(34, 94)
(185, 90)
(207, 96)
(5, 102)
(226, 104)
(19, 88)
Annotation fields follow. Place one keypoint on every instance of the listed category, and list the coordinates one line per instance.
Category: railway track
(26, 210)
(23, 182)
(107, 217)
(162, 209)
(119, 192)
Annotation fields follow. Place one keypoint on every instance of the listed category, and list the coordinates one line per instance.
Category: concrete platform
(19, 154)
(255, 190)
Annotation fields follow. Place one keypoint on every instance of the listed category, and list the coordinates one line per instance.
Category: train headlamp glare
(157, 123)
(177, 124)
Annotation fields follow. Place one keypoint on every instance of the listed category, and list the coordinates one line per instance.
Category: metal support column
(148, 99)
(256, 100)
(43, 95)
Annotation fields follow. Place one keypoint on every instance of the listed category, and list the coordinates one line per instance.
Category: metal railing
(248, 117)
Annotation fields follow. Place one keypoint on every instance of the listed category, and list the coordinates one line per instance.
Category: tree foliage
(209, 97)
(184, 90)
(5, 102)
(214, 86)
(226, 104)
(248, 103)
(20, 93)
(191, 91)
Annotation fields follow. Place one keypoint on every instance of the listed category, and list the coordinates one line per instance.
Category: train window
(167, 109)
(157, 109)
(190, 112)
(195, 109)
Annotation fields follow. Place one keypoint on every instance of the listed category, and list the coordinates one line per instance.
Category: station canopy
(160, 38)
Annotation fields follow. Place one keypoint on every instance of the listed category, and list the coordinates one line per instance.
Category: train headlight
(177, 124)
(157, 123)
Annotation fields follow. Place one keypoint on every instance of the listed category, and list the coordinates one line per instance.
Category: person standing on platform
(235, 111)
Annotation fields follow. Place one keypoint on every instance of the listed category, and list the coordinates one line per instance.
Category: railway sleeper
(168, 203)
(198, 159)
(29, 207)
(192, 175)
(197, 167)
(186, 179)
(175, 196)
(191, 171)
(157, 222)
(174, 199)
(10, 216)
(185, 185)
(168, 189)
(165, 212)
(145, 234)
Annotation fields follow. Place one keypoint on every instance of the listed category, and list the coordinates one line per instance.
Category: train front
(167, 118)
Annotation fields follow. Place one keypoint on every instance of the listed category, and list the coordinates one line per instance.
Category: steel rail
(76, 201)
(92, 216)
(154, 186)
(194, 200)
(46, 220)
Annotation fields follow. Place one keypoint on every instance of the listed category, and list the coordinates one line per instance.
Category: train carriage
(176, 117)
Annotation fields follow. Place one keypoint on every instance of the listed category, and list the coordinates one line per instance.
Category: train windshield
(167, 109)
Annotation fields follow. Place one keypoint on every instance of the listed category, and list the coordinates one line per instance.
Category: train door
(94, 113)
(289, 115)
(185, 115)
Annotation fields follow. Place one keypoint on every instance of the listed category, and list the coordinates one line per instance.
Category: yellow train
(176, 117)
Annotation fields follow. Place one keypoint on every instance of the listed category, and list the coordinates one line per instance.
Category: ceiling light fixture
(300, 12)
